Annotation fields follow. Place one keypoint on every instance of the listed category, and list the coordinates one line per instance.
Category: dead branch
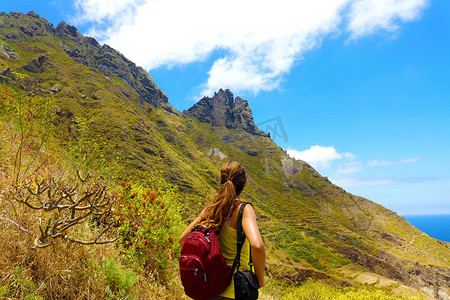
(17, 224)
(68, 204)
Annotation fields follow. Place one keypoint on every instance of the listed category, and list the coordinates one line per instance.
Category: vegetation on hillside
(62, 119)
(61, 264)
(135, 256)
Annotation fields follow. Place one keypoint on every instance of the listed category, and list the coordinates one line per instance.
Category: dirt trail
(412, 240)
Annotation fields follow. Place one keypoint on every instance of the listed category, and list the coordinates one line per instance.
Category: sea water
(436, 226)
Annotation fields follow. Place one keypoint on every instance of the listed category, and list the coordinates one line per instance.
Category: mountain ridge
(87, 51)
(307, 222)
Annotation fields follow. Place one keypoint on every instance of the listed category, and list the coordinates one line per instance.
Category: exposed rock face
(223, 110)
(89, 52)
(6, 75)
(18, 27)
(290, 168)
(15, 30)
(217, 152)
(36, 65)
(7, 52)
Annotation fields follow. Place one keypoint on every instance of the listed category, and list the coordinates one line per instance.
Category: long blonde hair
(232, 182)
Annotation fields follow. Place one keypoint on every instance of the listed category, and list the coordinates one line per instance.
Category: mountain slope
(102, 104)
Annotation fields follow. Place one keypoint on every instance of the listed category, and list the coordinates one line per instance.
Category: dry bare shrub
(66, 269)
(62, 206)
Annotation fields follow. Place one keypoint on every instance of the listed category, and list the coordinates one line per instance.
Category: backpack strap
(241, 238)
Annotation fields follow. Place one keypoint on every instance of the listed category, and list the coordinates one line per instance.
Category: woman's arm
(190, 227)
(254, 237)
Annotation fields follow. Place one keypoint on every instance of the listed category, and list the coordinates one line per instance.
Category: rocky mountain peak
(20, 27)
(225, 110)
(63, 28)
(17, 27)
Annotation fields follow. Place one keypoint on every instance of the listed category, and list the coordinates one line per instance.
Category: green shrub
(149, 221)
(118, 279)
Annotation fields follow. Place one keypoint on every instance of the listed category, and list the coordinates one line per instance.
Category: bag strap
(241, 238)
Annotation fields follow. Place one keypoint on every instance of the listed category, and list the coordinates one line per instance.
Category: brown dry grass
(68, 270)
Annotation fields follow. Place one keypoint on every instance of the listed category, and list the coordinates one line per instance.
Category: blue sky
(357, 88)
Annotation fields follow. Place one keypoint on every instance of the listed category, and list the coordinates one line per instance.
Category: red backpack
(203, 269)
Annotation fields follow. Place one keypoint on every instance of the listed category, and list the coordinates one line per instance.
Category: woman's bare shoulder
(249, 210)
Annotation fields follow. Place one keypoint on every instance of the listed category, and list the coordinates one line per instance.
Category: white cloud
(319, 157)
(368, 16)
(351, 168)
(352, 181)
(347, 182)
(260, 39)
(368, 178)
(344, 170)
(375, 163)
(101, 10)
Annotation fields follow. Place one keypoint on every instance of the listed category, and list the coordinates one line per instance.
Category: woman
(221, 213)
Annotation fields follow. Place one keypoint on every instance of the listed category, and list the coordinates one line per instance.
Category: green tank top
(227, 244)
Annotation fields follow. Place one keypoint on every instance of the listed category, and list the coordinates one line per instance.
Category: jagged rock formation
(223, 110)
(84, 50)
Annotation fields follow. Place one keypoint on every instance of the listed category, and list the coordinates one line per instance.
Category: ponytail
(232, 179)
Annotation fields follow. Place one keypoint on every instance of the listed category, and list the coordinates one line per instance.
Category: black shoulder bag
(246, 283)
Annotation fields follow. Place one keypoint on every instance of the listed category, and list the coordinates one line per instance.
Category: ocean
(436, 226)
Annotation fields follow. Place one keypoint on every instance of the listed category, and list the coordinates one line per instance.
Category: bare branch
(27, 203)
(71, 204)
(37, 245)
(18, 225)
(83, 180)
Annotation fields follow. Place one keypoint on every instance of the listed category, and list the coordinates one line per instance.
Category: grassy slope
(307, 222)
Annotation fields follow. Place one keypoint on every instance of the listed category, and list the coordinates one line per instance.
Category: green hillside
(68, 103)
